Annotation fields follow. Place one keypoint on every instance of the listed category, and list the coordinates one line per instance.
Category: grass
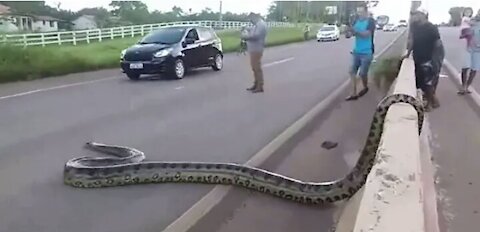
(385, 71)
(18, 64)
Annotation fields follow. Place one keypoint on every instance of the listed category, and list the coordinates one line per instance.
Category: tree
(135, 12)
(177, 11)
(32, 7)
(102, 16)
(456, 15)
(315, 11)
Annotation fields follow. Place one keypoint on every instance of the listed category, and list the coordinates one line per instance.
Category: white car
(390, 27)
(403, 23)
(328, 33)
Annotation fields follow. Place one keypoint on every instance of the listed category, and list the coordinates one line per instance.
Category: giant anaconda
(127, 168)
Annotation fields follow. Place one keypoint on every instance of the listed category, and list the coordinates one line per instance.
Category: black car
(173, 50)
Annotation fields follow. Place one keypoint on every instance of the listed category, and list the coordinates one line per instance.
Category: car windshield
(327, 29)
(164, 36)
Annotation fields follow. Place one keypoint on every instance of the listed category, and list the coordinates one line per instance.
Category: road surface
(208, 116)
(455, 134)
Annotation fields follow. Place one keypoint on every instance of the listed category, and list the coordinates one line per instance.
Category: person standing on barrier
(425, 39)
(255, 45)
(362, 54)
(472, 53)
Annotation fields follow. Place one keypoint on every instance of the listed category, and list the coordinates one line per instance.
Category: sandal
(363, 92)
(351, 98)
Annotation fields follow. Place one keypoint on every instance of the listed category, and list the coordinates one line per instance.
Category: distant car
(172, 51)
(402, 23)
(390, 27)
(328, 33)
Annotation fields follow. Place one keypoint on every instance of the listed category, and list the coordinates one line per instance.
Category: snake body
(129, 168)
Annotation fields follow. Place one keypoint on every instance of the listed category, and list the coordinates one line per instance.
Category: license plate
(136, 66)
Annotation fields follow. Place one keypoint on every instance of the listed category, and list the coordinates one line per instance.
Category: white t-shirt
(465, 23)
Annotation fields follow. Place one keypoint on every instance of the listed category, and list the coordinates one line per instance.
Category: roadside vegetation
(385, 71)
(19, 64)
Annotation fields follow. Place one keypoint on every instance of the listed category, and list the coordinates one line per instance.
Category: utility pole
(308, 10)
(221, 13)
(414, 5)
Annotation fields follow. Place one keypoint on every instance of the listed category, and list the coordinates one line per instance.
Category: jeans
(361, 64)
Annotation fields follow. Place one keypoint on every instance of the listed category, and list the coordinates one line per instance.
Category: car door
(207, 41)
(192, 51)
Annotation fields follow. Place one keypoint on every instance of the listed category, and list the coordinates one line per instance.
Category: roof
(4, 9)
(41, 17)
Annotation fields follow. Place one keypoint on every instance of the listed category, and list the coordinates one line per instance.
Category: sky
(396, 9)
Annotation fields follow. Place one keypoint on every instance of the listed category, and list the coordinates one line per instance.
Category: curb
(214, 198)
(430, 205)
(456, 77)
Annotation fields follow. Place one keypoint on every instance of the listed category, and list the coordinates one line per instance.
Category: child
(465, 29)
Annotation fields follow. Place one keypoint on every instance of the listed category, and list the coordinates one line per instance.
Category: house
(85, 22)
(13, 23)
(10, 22)
(44, 24)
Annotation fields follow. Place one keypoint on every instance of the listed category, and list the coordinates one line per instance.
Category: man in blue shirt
(363, 29)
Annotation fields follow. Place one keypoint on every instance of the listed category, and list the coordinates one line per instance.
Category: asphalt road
(208, 116)
(454, 49)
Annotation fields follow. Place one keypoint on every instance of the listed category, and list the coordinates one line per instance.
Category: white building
(85, 22)
(27, 23)
(44, 24)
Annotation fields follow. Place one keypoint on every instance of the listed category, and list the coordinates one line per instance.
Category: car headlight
(122, 54)
(162, 53)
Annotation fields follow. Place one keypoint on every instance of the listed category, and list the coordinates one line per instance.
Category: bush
(18, 64)
(385, 71)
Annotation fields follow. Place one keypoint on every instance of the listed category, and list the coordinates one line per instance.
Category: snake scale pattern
(128, 168)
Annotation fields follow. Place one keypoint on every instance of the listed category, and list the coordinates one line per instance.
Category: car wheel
(178, 70)
(217, 62)
(133, 76)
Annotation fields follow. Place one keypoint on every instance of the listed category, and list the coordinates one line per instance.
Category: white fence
(98, 35)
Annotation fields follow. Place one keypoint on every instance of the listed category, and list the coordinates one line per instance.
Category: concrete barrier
(393, 198)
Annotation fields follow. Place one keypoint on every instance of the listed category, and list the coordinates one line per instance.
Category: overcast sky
(396, 9)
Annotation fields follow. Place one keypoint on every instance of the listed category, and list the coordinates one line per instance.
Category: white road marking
(278, 62)
(55, 87)
(179, 88)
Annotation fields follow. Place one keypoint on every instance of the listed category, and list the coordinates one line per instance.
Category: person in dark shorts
(424, 42)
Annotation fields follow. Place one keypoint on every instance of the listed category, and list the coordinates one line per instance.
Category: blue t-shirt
(363, 45)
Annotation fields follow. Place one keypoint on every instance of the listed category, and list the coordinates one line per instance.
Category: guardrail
(396, 196)
(98, 35)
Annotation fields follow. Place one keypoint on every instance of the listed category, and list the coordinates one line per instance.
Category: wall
(7, 26)
(84, 23)
(39, 26)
